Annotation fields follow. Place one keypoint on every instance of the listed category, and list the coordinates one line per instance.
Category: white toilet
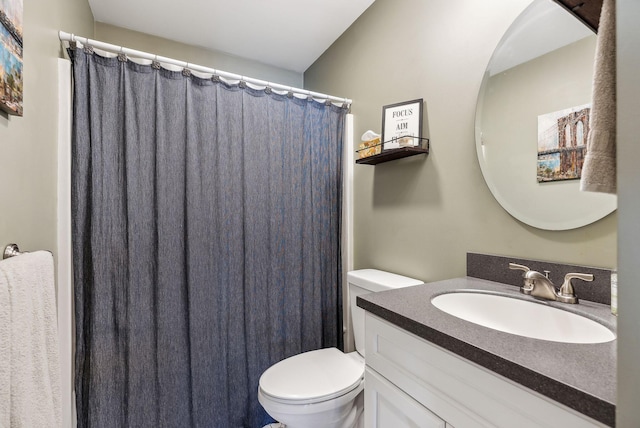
(324, 388)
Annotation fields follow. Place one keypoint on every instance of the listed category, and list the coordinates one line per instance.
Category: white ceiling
(290, 34)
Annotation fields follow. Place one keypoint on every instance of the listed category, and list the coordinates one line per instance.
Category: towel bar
(11, 250)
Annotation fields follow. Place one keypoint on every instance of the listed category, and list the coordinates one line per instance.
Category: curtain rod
(69, 37)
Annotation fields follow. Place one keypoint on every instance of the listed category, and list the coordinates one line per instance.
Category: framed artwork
(562, 143)
(11, 56)
(401, 122)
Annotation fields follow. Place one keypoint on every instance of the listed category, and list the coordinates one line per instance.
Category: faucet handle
(526, 274)
(515, 266)
(567, 294)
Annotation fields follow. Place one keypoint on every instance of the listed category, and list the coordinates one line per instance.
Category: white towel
(34, 387)
(599, 169)
(5, 353)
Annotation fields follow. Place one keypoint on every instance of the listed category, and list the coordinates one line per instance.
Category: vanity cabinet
(410, 382)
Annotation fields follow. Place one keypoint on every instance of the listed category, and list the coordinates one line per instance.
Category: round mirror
(532, 120)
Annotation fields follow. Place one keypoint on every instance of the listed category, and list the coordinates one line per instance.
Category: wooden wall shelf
(587, 11)
(393, 154)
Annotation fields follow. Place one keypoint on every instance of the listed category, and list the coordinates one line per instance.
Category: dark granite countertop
(580, 376)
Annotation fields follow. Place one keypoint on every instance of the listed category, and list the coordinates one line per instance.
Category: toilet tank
(365, 281)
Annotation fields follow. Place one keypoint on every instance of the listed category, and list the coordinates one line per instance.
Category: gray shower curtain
(206, 234)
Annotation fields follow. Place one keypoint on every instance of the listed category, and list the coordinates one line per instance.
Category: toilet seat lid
(321, 374)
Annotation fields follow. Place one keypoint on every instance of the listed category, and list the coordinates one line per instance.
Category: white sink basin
(523, 318)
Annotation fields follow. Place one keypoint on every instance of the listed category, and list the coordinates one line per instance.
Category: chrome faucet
(540, 286)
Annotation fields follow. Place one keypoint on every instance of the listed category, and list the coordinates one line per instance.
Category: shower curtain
(206, 242)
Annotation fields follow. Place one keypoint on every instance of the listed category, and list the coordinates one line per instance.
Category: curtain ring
(267, 89)
(155, 64)
(122, 57)
(185, 71)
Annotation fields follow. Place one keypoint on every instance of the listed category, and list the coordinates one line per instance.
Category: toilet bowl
(322, 388)
(325, 388)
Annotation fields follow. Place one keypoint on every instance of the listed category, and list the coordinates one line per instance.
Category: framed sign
(402, 122)
(11, 56)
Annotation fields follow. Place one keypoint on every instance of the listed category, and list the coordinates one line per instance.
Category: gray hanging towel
(599, 170)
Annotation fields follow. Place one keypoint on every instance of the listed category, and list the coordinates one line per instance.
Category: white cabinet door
(386, 406)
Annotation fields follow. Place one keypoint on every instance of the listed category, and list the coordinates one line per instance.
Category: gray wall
(628, 411)
(28, 144)
(420, 216)
(196, 55)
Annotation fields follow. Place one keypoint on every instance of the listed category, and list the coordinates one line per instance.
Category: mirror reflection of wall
(525, 81)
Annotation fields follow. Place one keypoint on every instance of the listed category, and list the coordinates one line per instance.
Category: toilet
(325, 388)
